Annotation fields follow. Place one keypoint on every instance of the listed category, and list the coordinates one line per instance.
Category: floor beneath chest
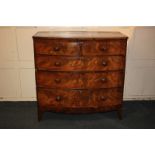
(23, 115)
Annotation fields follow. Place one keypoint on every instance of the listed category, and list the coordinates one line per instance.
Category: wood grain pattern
(68, 98)
(59, 80)
(79, 72)
(56, 47)
(103, 80)
(54, 63)
(104, 98)
(104, 63)
(104, 47)
(79, 80)
(48, 98)
(79, 35)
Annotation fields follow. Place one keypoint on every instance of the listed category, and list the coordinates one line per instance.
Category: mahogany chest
(79, 71)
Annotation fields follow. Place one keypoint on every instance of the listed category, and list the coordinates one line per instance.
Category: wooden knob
(57, 80)
(103, 98)
(103, 79)
(103, 48)
(57, 48)
(57, 64)
(104, 63)
(80, 91)
(58, 98)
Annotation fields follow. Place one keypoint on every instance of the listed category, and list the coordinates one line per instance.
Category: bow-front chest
(79, 72)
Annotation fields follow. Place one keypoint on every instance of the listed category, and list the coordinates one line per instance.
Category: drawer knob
(103, 98)
(56, 49)
(80, 91)
(103, 48)
(104, 63)
(103, 79)
(58, 98)
(57, 64)
(57, 80)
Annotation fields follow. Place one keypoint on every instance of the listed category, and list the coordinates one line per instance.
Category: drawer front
(104, 47)
(107, 97)
(79, 80)
(105, 63)
(62, 98)
(57, 47)
(53, 98)
(59, 63)
(59, 80)
(104, 80)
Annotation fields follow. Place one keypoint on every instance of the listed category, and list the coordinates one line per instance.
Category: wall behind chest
(17, 78)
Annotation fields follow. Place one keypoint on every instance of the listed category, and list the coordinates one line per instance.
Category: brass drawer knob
(57, 64)
(56, 49)
(57, 80)
(103, 98)
(58, 98)
(104, 63)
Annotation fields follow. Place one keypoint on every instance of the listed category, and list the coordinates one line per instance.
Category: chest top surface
(80, 35)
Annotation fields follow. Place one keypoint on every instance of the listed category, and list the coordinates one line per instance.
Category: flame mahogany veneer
(79, 72)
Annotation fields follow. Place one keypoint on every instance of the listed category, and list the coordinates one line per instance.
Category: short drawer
(59, 80)
(107, 97)
(79, 80)
(54, 63)
(104, 63)
(103, 80)
(56, 47)
(104, 47)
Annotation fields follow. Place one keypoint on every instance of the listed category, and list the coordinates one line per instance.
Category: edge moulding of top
(81, 34)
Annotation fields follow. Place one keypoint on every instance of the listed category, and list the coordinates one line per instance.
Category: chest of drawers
(79, 72)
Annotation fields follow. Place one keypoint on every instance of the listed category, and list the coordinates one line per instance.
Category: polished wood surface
(76, 80)
(52, 98)
(79, 72)
(56, 47)
(106, 47)
(80, 35)
(104, 63)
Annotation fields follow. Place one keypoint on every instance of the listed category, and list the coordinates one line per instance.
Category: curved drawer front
(56, 47)
(62, 98)
(105, 63)
(107, 98)
(59, 63)
(104, 47)
(59, 80)
(79, 98)
(79, 80)
(103, 80)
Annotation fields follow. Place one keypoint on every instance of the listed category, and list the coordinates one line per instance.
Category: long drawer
(55, 63)
(53, 98)
(91, 80)
(74, 47)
